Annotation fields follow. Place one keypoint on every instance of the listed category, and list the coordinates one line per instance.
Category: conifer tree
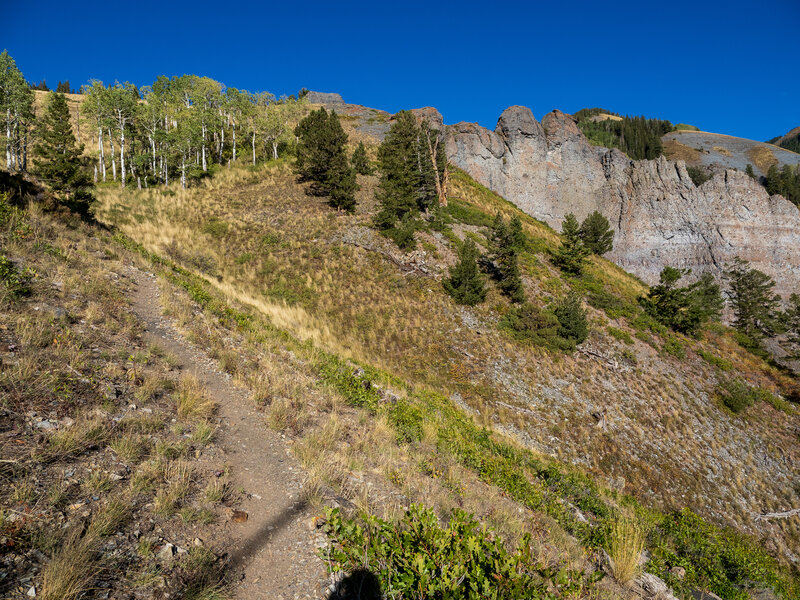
(572, 253)
(398, 164)
(504, 254)
(466, 284)
(750, 172)
(59, 163)
(516, 234)
(322, 158)
(754, 303)
(683, 309)
(572, 324)
(360, 161)
(596, 234)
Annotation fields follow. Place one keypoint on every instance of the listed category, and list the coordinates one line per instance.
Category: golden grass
(69, 573)
(763, 157)
(624, 545)
(674, 150)
(192, 400)
(721, 150)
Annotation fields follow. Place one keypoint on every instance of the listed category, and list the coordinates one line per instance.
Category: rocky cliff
(550, 169)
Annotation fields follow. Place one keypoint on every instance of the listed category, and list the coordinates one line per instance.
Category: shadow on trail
(358, 585)
(244, 552)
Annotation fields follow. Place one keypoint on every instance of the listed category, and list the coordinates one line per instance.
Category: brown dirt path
(273, 552)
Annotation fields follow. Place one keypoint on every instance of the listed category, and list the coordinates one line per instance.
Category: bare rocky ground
(274, 546)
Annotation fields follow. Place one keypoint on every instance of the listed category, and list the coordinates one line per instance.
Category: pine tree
(572, 253)
(791, 319)
(683, 309)
(504, 255)
(341, 183)
(360, 161)
(466, 284)
(398, 164)
(750, 172)
(754, 303)
(516, 234)
(322, 158)
(59, 155)
(596, 234)
(572, 323)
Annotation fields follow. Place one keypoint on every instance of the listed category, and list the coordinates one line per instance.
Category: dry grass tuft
(193, 401)
(624, 545)
(71, 570)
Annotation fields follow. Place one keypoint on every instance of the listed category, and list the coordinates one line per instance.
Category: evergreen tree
(791, 321)
(504, 256)
(572, 323)
(754, 303)
(683, 309)
(572, 253)
(465, 284)
(322, 158)
(360, 161)
(596, 234)
(397, 162)
(516, 234)
(59, 163)
(750, 172)
(341, 183)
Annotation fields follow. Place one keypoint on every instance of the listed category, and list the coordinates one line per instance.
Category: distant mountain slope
(790, 141)
(701, 148)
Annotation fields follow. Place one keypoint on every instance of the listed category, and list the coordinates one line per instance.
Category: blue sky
(730, 67)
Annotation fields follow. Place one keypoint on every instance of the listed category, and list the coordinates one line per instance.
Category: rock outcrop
(550, 169)
(327, 98)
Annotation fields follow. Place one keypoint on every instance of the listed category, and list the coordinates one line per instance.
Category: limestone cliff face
(549, 169)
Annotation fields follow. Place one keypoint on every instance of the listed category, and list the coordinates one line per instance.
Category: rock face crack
(549, 169)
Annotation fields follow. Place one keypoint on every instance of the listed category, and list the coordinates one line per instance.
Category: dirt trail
(275, 548)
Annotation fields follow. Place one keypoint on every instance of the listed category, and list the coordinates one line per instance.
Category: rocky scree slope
(549, 169)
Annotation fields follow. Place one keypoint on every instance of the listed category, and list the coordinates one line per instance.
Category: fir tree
(791, 320)
(398, 165)
(572, 253)
(465, 284)
(59, 163)
(504, 255)
(572, 324)
(683, 309)
(596, 234)
(360, 161)
(750, 172)
(754, 303)
(322, 158)
(516, 234)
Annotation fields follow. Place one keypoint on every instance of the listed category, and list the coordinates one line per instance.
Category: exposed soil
(273, 553)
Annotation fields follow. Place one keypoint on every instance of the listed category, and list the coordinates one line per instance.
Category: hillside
(701, 148)
(256, 238)
(790, 140)
(385, 393)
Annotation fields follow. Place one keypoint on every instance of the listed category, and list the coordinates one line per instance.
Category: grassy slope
(257, 239)
(86, 452)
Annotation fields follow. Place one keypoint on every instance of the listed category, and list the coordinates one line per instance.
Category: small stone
(167, 552)
(197, 542)
(678, 572)
(237, 516)
(32, 592)
(47, 425)
(181, 551)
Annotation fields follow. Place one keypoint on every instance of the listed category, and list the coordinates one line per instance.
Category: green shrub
(620, 334)
(529, 323)
(419, 558)
(612, 305)
(698, 174)
(402, 233)
(14, 282)
(713, 359)
(737, 395)
(215, 227)
(674, 347)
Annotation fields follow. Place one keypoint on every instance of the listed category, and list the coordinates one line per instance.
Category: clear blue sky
(727, 66)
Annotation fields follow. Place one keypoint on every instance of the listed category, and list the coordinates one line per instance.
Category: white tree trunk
(233, 131)
(275, 149)
(205, 166)
(113, 156)
(254, 148)
(183, 171)
(122, 153)
(102, 154)
(8, 139)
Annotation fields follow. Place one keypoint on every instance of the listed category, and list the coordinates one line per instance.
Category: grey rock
(703, 595)
(167, 552)
(550, 169)
(327, 98)
(653, 587)
(678, 572)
